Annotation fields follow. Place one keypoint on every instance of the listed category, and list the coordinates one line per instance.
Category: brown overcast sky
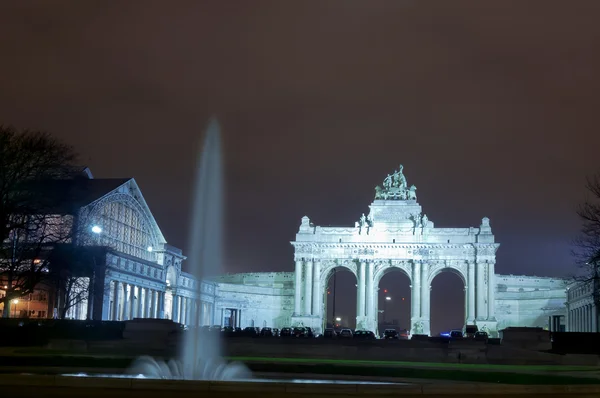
(492, 106)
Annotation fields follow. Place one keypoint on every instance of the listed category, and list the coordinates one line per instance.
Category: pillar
(116, 298)
(161, 304)
(372, 318)
(140, 303)
(298, 288)
(425, 298)
(308, 288)
(131, 302)
(481, 291)
(471, 292)
(415, 296)
(361, 290)
(595, 318)
(153, 305)
(491, 291)
(317, 295)
(174, 308)
(146, 303)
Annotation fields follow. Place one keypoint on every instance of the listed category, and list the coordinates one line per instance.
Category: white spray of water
(201, 354)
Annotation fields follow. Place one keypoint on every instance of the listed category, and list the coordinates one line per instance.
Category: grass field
(504, 374)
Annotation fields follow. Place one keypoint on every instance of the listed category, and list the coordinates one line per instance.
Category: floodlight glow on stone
(149, 248)
(96, 229)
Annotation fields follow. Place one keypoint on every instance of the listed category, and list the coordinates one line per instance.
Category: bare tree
(587, 244)
(73, 270)
(32, 221)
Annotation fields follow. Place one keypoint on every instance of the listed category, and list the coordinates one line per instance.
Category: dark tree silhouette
(32, 217)
(587, 244)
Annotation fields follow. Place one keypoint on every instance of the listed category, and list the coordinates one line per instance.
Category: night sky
(492, 107)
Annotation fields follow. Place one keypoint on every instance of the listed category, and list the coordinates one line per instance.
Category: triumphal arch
(394, 235)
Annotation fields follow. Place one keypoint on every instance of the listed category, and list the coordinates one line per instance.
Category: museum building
(143, 277)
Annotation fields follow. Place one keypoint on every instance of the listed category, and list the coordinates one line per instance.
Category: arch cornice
(351, 250)
(93, 212)
(385, 266)
(327, 266)
(459, 267)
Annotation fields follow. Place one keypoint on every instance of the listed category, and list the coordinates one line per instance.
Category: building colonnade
(583, 318)
(479, 291)
(129, 301)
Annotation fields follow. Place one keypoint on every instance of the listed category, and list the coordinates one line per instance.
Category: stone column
(425, 298)
(160, 297)
(491, 291)
(372, 318)
(174, 308)
(415, 295)
(153, 303)
(298, 288)
(317, 295)
(116, 298)
(140, 302)
(146, 302)
(131, 301)
(595, 319)
(361, 289)
(471, 293)
(481, 292)
(308, 288)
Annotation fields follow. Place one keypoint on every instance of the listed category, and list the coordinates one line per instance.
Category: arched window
(125, 230)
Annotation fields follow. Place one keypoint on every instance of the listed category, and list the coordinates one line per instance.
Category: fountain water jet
(200, 357)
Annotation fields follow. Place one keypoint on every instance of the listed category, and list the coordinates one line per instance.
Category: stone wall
(259, 306)
(529, 301)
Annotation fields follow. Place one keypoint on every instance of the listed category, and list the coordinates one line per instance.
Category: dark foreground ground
(36, 386)
(374, 370)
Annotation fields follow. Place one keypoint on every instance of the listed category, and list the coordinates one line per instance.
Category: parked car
(364, 335)
(391, 334)
(481, 336)
(286, 332)
(346, 333)
(250, 332)
(456, 334)
(470, 331)
(330, 334)
(266, 332)
(404, 334)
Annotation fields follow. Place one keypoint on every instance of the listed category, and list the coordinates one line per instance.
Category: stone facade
(143, 274)
(583, 306)
(395, 235)
(530, 301)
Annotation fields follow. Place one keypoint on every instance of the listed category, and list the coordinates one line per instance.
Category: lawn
(504, 374)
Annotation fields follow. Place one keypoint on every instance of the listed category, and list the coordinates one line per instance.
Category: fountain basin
(78, 385)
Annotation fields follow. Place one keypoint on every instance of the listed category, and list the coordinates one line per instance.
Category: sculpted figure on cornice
(395, 187)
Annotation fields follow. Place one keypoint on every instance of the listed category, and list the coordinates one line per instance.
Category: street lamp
(97, 229)
(15, 302)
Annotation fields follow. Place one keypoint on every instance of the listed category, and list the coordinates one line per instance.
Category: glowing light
(385, 290)
(96, 229)
(16, 301)
(388, 298)
(149, 248)
(338, 319)
(37, 261)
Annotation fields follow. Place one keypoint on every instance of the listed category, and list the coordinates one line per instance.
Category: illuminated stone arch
(328, 267)
(384, 267)
(457, 267)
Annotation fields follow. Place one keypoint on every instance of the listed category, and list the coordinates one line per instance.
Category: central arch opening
(393, 301)
(447, 302)
(340, 299)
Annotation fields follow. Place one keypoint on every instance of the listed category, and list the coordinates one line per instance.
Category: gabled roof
(69, 196)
